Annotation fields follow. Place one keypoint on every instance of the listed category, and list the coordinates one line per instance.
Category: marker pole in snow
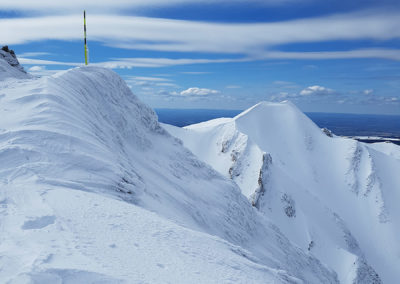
(84, 30)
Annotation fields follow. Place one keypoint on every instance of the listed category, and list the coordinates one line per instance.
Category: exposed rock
(327, 132)
(9, 56)
(289, 205)
(9, 65)
(263, 178)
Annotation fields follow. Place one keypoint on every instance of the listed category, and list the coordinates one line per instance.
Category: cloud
(283, 96)
(311, 93)
(393, 54)
(33, 54)
(320, 94)
(195, 73)
(316, 90)
(198, 92)
(193, 95)
(168, 85)
(371, 97)
(153, 79)
(149, 81)
(285, 85)
(282, 83)
(159, 62)
(166, 93)
(128, 63)
(233, 87)
(30, 61)
(41, 71)
(310, 67)
(254, 40)
(51, 6)
(375, 100)
(36, 68)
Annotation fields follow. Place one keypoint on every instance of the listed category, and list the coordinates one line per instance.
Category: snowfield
(94, 190)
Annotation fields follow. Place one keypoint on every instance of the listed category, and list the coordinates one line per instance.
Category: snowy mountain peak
(265, 106)
(9, 65)
(323, 191)
(284, 115)
(276, 126)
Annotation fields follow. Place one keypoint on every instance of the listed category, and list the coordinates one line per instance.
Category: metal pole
(84, 29)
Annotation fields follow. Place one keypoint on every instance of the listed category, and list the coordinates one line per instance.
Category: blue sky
(325, 56)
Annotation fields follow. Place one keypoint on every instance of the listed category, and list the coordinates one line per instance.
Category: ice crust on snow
(333, 192)
(93, 189)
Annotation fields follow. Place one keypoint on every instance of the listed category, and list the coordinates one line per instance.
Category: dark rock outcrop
(9, 56)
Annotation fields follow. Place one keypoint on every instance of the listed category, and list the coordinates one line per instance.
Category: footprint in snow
(38, 223)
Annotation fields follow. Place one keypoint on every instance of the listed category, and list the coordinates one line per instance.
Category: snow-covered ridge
(332, 196)
(94, 189)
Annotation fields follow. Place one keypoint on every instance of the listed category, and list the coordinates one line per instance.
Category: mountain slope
(94, 189)
(9, 65)
(333, 197)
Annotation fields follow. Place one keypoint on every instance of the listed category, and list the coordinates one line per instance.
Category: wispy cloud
(33, 54)
(249, 40)
(370, 97)
(161, 62)
(393, 54)
(145, 82)
(310, 67)
(30, 61)
(128, 63)
(51, 6)
(285, 85)
(195, 72)
(233, 87)
(153, 79)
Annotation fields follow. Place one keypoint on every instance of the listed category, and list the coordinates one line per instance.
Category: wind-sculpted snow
(311, 181)
(93, 189)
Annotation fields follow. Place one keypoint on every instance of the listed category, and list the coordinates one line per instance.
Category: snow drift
(93, 189)
(334, 197)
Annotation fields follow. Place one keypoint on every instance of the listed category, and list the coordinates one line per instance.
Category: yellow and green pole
(84, 30)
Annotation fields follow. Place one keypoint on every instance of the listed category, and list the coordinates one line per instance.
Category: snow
(89, 238)
(390, 149)
(93, 189)
(10, 68)
(335, 193)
